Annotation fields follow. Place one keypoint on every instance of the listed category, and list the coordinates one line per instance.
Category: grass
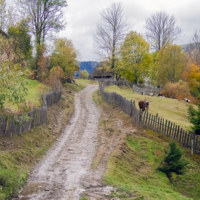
(85, 81)
(20, 153)
(171, 109)
(35, 91)
(132, 166)
(84, 198)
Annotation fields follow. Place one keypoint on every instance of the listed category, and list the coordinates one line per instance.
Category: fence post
(140, 119)
(192, 142)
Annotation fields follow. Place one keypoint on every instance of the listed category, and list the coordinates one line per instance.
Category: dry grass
(171, 109)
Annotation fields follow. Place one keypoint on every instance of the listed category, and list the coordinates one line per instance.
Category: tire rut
(58, 175)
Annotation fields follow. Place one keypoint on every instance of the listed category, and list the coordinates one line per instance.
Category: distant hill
(88, 65)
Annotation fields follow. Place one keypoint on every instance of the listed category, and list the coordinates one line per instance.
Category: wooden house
(101, 72)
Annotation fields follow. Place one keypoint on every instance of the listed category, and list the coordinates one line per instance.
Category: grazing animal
(142, 93)
(151, 94)
(161, 96)
(143, 105)
(187, 100)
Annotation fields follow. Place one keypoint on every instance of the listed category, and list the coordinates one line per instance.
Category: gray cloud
(83, 16)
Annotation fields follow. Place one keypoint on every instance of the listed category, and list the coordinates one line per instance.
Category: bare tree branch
(161, 30)
(110, 33)
(45, 16)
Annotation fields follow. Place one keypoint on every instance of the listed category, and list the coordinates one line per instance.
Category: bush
(178, 90)
(194, 117)
(173, 162)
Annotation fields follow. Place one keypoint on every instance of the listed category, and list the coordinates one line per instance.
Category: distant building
(100, 73)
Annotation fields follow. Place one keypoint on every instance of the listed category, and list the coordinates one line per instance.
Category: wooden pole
(192, 142)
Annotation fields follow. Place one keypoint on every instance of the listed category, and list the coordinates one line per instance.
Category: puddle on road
(32, 188)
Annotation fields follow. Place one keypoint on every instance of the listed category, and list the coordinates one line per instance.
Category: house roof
(101, 70)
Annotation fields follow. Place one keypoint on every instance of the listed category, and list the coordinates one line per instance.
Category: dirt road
(58, 176)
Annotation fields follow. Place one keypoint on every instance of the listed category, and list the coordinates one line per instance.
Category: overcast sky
(83, 16)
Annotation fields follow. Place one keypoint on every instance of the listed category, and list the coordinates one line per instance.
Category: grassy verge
(85, 82)
(132, 166)
(171, 109)
(84, 198)
(19, 154)
(35, 90)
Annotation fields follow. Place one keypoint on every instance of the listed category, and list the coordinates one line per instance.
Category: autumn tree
(45, 17)
(135, 56)
(65, 56)
(161, 30)
(55, 78)
(110, 34)
(170, 63)
(191, 74)
(20, 33)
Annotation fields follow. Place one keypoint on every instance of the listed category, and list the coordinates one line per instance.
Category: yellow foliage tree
(170, 63)
(136, 58)
(65, 56)
(84, 74)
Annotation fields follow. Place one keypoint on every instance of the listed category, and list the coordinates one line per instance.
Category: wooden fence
(155, 123)
(9, 127)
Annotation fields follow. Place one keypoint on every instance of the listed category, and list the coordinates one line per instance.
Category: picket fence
(152, 122)
(38, 116)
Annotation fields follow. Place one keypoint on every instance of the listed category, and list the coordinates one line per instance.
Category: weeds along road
(60, 173)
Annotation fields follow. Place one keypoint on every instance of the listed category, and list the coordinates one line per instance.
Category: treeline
(154, 56)
(30, 48)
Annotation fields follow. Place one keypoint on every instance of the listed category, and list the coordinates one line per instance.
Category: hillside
(88, 65)
(170, 109)
(135, 155)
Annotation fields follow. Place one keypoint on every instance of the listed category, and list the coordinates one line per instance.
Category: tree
(110, 34)
(173, 162)
(191, 74)
(193, 49)
(194, 117)
(170, 63)
(161, 30)
(55, 78)
(84, 74)
(8, 16)
(12, 75)
(135, 56)
(65, 56)
(45, 17)
(21, 33)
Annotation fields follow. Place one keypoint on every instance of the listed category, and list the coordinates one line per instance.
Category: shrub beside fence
(8, 127)
(155, 123)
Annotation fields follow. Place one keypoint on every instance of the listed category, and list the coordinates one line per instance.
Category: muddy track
(58, 175)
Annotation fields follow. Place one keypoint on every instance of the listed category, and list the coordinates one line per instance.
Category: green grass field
(134, 170)
(132, 166)
(170, 109)
(35, 91)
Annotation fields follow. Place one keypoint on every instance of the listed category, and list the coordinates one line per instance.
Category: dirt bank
(59, 174)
